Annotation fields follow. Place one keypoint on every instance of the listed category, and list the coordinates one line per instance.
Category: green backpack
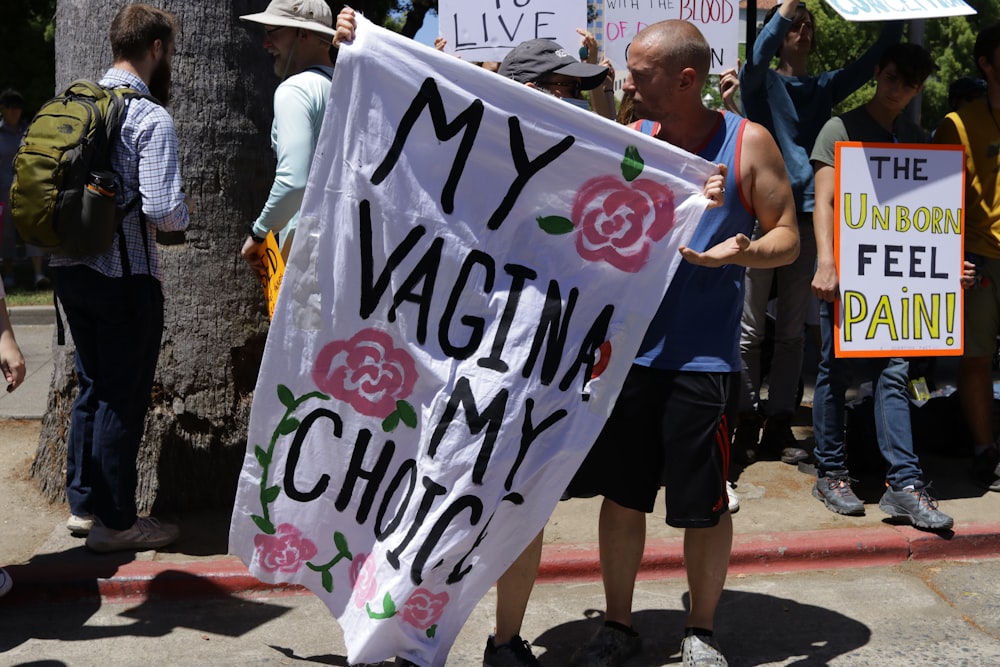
(63, 196)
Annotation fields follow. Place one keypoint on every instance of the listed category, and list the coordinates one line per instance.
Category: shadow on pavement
(754, 629)
(203, 607)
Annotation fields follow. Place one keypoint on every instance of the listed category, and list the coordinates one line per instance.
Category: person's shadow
(26, 613)
(752, 628)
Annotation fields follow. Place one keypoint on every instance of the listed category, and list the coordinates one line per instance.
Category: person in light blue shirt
(793, 105)
(298, 35)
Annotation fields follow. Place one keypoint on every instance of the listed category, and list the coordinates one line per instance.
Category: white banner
(899, 247)
(718, 21)
(488, 29)
(899, 10)
(474, 268)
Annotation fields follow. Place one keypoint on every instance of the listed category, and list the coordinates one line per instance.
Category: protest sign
(899, 212)
(718, 21)
(274, 270)
(475, 265)
(899, 10)
(488, 29)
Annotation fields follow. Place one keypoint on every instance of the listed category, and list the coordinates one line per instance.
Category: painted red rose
(363, 579)
(285, 551)
(367, 372)
(619, 222)
(423, 608)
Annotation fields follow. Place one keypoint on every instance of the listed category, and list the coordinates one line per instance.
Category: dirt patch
(26, 518)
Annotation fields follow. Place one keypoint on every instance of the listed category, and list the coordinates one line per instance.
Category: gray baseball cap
(312, 15)
(531, 60)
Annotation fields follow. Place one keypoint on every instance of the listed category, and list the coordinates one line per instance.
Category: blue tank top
(697, 326)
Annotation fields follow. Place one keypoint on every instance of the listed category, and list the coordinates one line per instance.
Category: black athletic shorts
(668, 428)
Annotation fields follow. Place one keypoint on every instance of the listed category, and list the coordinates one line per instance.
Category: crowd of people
(763, 249)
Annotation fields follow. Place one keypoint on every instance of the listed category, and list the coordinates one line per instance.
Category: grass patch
(22, 297)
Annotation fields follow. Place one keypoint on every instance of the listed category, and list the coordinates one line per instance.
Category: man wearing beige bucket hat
(298, 34)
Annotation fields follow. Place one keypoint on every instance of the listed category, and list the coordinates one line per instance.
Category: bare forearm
(778, 247)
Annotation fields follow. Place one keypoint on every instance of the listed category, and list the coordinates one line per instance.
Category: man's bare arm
(765, 187)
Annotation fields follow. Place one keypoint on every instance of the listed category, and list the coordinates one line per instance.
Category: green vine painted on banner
(286, 426)
(342, 552)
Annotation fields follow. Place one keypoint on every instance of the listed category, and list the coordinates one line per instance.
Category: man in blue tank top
(668, 426)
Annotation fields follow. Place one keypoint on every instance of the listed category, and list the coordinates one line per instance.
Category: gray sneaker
(915, 506)
(702, 652)
(836, 494)
(146, 533)
(609, 647)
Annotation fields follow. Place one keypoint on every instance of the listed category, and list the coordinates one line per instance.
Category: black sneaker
(779, 441)
(609, 647)
(915, 506)
(515, 653)
(986, 468)
(836, 494)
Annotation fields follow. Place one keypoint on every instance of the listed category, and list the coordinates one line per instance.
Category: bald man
(669, 427)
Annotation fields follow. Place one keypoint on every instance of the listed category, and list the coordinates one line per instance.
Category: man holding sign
(793, 105)
(899, 76)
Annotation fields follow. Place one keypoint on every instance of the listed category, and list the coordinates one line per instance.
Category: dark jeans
(116, 324)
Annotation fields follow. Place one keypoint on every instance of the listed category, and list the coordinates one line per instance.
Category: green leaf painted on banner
(340, 541)
(327, 581)
(285, 396)
(263, 457)
(554, 224)
(288, 426)
(265, 526)
(390, 423)
(271, 494)
(406, 413)
(632, 164)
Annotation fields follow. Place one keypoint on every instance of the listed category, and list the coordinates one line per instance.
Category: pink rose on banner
(368, 372)
(619, 222)
(363, 579)
(423, 608)
(285, 551)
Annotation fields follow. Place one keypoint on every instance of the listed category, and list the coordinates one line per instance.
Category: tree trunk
(215, 319)
(415, 17)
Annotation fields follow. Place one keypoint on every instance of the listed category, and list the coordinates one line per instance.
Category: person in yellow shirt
(976, 126)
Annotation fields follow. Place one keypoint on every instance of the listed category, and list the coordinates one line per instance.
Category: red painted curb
(136, 581)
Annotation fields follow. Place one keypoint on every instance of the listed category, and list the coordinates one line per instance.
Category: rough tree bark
(215, 318)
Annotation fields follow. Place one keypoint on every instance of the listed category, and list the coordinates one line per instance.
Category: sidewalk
(780, 527)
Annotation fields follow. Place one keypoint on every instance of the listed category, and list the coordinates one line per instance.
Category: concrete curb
(138, 581)
(21, 316)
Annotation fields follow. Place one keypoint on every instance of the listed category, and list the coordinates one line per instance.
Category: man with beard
(113, 301)
(298, 33)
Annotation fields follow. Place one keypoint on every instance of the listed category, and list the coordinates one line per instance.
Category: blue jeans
(116, 324)
(892, 411)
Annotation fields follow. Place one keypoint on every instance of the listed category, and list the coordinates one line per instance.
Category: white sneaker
(80, 525)
(146, 533)
(6, 583)
(702, 652)
(734, 500)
